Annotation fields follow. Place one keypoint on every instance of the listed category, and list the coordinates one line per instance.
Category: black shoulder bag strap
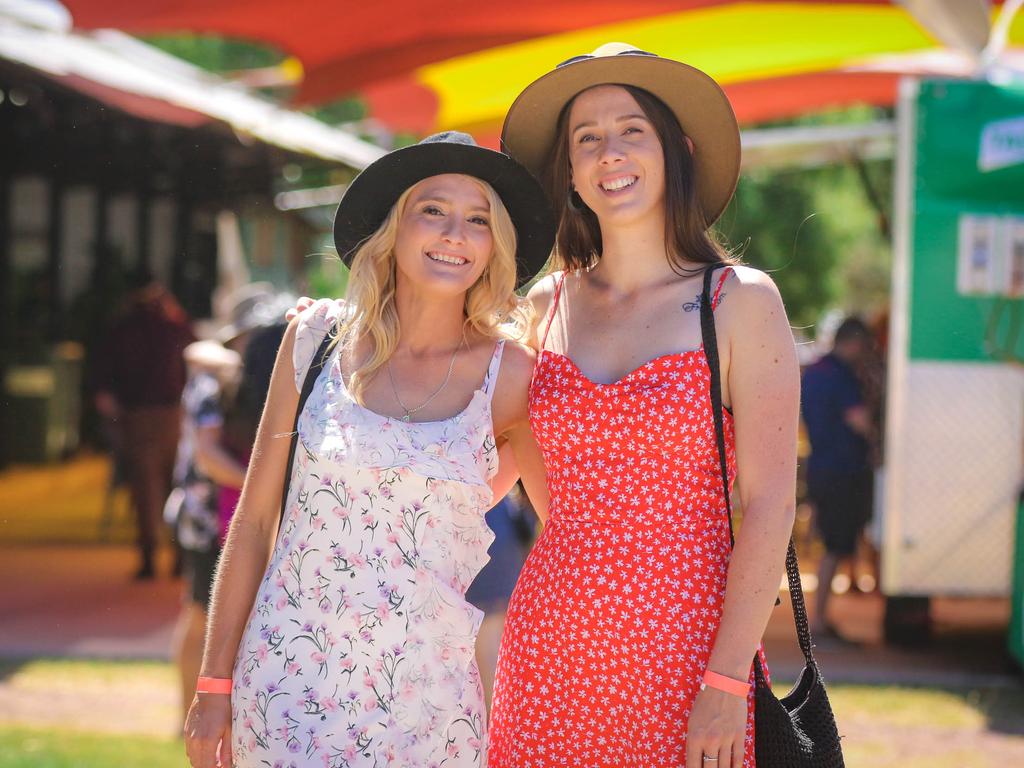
(796, 592)
(316, 365)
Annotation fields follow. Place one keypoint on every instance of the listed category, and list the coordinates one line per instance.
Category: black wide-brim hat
(373, 193)
(698, 102)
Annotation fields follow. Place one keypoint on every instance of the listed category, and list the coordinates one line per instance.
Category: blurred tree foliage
(822, 233)
(817, 234)
(216, 53)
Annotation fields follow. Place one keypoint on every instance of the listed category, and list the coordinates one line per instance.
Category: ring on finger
(709, 759)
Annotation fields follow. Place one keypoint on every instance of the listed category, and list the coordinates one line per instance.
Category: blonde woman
(344, 639)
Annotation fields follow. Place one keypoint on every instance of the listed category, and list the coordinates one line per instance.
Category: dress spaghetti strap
(492, 370)
(718, 290)
(554, 308)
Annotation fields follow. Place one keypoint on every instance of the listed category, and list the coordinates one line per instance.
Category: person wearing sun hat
(374, 191)
(354, 645)
(695, 99)
(630, 635)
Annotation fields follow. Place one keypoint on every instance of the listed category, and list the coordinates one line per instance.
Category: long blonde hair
(491, 307)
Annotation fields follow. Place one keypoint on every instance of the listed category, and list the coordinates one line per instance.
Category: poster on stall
(977, 269)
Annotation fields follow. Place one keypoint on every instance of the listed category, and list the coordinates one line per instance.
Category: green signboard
(967, 281)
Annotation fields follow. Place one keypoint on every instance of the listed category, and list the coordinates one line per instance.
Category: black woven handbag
(798, 730)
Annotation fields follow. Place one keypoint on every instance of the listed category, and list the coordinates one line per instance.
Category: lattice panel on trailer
(953, 475)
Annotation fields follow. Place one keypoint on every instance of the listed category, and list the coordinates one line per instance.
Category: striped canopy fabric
(456, 64)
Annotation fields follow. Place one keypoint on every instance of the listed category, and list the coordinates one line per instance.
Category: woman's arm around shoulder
(519, 455)
(243, 561)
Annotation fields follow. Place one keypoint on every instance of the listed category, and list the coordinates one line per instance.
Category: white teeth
(445, 258)
(616, 184)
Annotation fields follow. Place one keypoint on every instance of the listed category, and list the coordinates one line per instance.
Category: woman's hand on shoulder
(305, 302)
(301, 305)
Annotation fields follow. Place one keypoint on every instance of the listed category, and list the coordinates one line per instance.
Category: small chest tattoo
(694, 306)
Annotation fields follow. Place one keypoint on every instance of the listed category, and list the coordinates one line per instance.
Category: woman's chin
(444, 282)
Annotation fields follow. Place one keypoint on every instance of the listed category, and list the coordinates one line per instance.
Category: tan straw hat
(698, 102)
(209, 354)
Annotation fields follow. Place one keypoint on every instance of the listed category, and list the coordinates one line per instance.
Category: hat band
(585, 56)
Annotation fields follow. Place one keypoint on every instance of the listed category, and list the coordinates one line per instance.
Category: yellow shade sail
(735, 42)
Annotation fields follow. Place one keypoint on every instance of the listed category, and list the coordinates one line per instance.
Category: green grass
(916, 706)
(134, 704)
(57, 748)
(880, 754)
(89, 674)
(912, 707)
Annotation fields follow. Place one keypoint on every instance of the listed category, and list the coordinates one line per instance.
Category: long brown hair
(688, 239)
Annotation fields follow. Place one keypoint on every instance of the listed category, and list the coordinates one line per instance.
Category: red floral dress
(612, 622)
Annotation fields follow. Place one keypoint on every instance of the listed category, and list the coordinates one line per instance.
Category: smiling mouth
(623, 182)
(445, 258)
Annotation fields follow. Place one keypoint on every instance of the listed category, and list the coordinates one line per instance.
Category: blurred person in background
(512, 521)
(139, 377)
(221, 413)
(243, 415)
(192, 505)
(839, 475)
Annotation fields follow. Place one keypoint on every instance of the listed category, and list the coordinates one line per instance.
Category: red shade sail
(345, 45)
(447, 64)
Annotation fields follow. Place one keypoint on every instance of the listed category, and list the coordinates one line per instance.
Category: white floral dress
(359, 650)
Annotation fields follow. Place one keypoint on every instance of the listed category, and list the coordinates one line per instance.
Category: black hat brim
(373, 192)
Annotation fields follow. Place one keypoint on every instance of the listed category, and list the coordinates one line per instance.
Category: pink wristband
(213, 685)
(723, 683)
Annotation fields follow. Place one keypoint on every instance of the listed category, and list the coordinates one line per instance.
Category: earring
(575, 202)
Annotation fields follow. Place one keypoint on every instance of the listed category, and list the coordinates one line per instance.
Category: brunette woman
(631, 633)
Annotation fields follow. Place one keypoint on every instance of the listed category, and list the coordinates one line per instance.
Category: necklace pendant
(407, 417)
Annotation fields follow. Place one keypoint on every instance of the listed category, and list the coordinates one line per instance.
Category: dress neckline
(687, 353)
(477, 394)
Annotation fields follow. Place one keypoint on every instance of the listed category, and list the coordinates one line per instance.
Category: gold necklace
(407, 417)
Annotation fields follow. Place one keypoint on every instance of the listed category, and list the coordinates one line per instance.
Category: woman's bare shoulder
(542, 293)
(748, 290)
(751, 310)
(517, 363)
(511, 394)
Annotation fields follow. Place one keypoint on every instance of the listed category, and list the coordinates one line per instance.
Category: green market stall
(955, 410)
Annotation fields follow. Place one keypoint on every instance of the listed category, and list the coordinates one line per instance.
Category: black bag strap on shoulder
(796, 592)
(316, 365)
